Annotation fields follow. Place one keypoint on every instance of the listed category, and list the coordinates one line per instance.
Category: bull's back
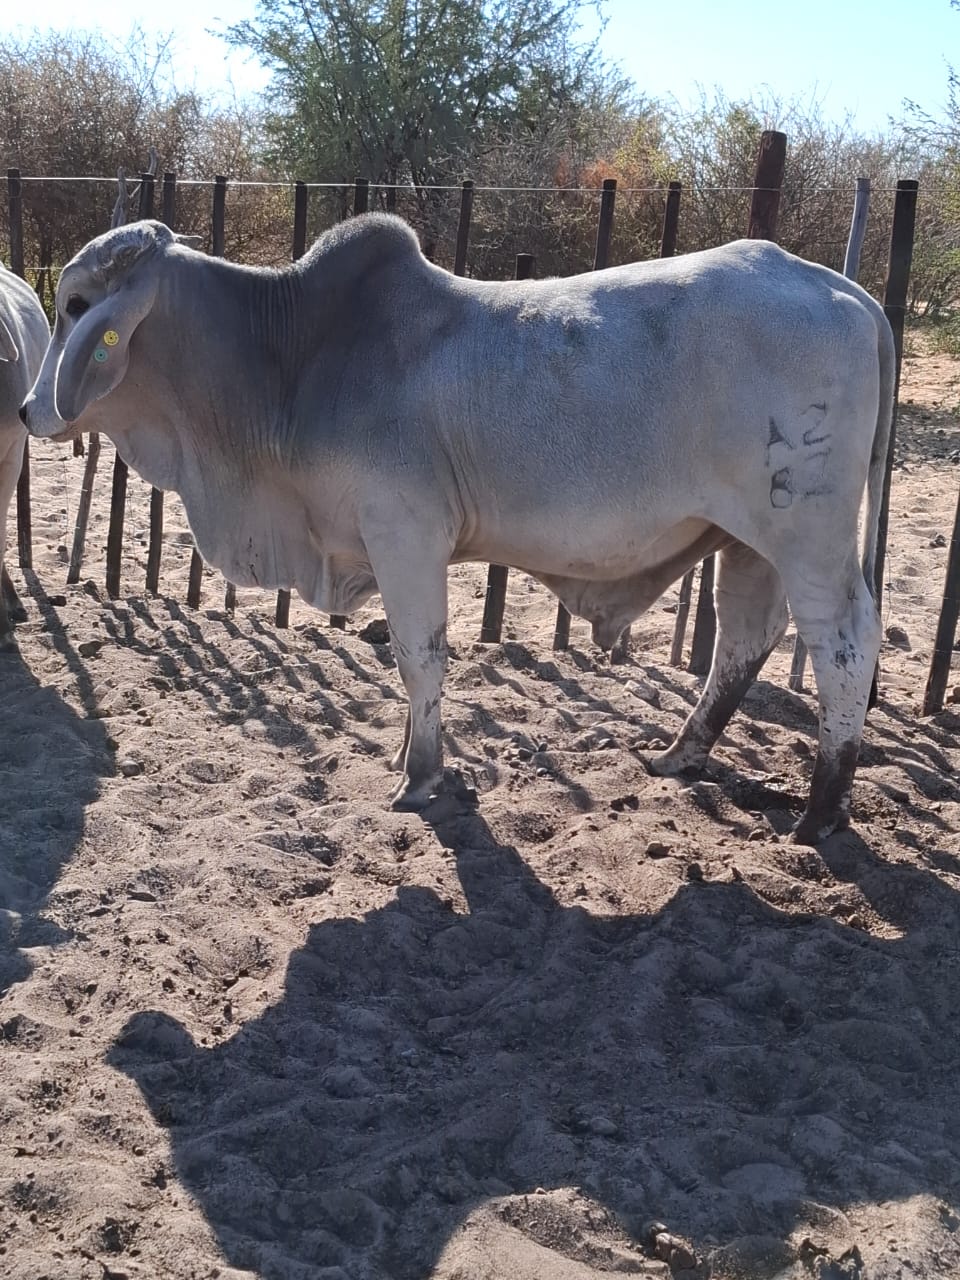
(656, 374)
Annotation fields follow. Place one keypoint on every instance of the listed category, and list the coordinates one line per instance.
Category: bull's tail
(878, 455)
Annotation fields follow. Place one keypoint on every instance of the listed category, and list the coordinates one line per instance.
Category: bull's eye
(76, 305)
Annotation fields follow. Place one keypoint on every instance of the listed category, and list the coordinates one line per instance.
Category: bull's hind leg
(751, 618)
(12, 600)
(838, 620)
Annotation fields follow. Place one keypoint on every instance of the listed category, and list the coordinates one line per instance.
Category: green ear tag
(100, 355)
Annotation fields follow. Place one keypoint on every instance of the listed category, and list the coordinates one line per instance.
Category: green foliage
(943, 333)
(412, 91)
(76, 106)
(415, 95)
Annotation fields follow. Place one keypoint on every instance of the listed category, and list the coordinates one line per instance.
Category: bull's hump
(368, 243)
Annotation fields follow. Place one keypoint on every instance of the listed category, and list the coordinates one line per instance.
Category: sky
(853, 58)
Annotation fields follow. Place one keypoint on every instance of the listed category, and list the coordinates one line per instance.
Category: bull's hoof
(410, 799)
(814, 828)
(16, 610)
(8, 642)
(670, 763)
(453, 792)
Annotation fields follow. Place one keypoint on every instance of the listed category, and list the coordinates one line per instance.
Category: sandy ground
(253, 1024)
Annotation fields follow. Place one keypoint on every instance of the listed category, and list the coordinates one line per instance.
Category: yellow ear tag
(111, 338)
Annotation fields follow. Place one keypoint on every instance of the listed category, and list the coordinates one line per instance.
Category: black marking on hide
(819, 489)
(781, 488)
(437, 645)
(777, 436)
(845, 656)
(730, 691)
(810, 438)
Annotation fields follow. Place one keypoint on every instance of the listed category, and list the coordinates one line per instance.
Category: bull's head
(103, 295)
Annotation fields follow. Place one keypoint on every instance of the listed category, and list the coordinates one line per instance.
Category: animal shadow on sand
(729, 1068)
(51, 763)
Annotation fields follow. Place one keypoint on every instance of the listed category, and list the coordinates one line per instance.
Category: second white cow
(24, 334)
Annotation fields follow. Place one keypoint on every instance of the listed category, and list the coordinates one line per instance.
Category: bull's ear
(192, 242)
(8, 347)
(97, 350)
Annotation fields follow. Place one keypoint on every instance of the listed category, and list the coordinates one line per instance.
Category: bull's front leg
(415, 600)
(11, 609)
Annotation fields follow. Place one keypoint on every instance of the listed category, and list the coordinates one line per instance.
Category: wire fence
(451, 244)
(413, 189)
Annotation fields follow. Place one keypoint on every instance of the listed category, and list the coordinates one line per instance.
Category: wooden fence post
(561, 633)
(361, 202)
(83, 508)
(762, 225)
(217, 236)
(118, 492)
(858, 229)
(671, 221)
(683, 613)
(15, 205)
(463, 228)
(704, 621)
(851, 267)
(155, 545)
(668, 247)
(299, 249)
(767, 186)
(895, 307)
(117, 219)
(24, 515)
(491, 628)
(300, 197)
(194, 580)
(933, 694)
(218, 217)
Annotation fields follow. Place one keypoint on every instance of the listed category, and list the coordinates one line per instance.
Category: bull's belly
(606, 555)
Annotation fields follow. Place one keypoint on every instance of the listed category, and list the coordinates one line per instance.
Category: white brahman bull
(24, 334)
(362, 419)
